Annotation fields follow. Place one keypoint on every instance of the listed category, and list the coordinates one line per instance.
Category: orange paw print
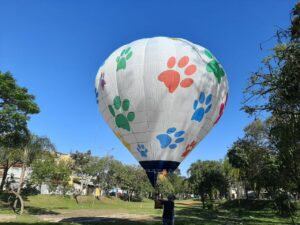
(172, 78)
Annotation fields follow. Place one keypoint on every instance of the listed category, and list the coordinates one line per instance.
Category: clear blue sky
(54, 48)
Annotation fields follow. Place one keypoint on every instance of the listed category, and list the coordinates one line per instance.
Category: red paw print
(172, 78)
(189, 148)
(221, 111)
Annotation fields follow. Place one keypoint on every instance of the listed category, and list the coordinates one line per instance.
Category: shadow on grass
(196, 215)
(263, 210)
(248, 204)
(5, 195)
(39, 211)
(106, 220)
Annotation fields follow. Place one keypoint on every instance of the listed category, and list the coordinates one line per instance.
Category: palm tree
(34, 147)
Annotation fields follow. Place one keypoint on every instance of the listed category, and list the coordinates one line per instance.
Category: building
(14, 174)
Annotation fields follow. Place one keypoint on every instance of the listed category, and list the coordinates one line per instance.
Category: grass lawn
(42, 209)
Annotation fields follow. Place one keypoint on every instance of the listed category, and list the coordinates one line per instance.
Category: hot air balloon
(161, 96)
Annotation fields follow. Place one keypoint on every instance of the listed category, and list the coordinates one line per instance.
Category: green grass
(187, 212)
(36, 204)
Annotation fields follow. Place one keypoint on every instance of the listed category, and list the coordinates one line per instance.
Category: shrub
(283, 205)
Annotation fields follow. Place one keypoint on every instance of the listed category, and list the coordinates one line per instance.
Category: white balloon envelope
(161, 96)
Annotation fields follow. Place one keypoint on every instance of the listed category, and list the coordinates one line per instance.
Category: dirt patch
(84, 215)
(187, 203)
(7, 217)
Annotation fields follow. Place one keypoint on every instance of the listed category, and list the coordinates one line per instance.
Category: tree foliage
(133, 179)
(16, 104)
(275, 89)
(208, 179)
(35, 146)
(50, 170)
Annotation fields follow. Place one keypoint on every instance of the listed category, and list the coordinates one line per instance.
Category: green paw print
(121, 120)
(121, 60)
(214, 66)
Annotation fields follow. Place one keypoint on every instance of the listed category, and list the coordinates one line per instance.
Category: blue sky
(54, 48)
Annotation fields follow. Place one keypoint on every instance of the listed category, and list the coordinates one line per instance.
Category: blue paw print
(204, 106)
(166, 139)
(142, 150)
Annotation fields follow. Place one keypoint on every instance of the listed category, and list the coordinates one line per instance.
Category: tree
(112, 170)
(275, 89)
(42, 168)
(81, 165)
(50, 170)
(295, 27)
(35, 146)
(249, 160)
(178, 182)
(233, 176)
(60, 176)
(208, 179)
(143, 187)
(164, 187)
(103, 170)
(256, 159)
(133, 179)
(16, 104)
(9, 157)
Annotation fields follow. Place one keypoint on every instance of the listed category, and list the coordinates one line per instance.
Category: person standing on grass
(168, 213)
(97, 193)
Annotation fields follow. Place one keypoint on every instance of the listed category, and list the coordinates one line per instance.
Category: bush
(209, 205)
(30, 190)
(136, 198)
(133, 198)
(283, 205)
(124, 197)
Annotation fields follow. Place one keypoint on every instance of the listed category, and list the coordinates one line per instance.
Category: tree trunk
(40, 187)
(246, 192)
(129, 196)
(81, 186)
(22, 178)
(86, 185)
(258, 193)
(203, 201)
(5, 171)
(18, 204)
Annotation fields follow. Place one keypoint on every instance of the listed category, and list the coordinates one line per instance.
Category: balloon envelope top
(161, 96)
